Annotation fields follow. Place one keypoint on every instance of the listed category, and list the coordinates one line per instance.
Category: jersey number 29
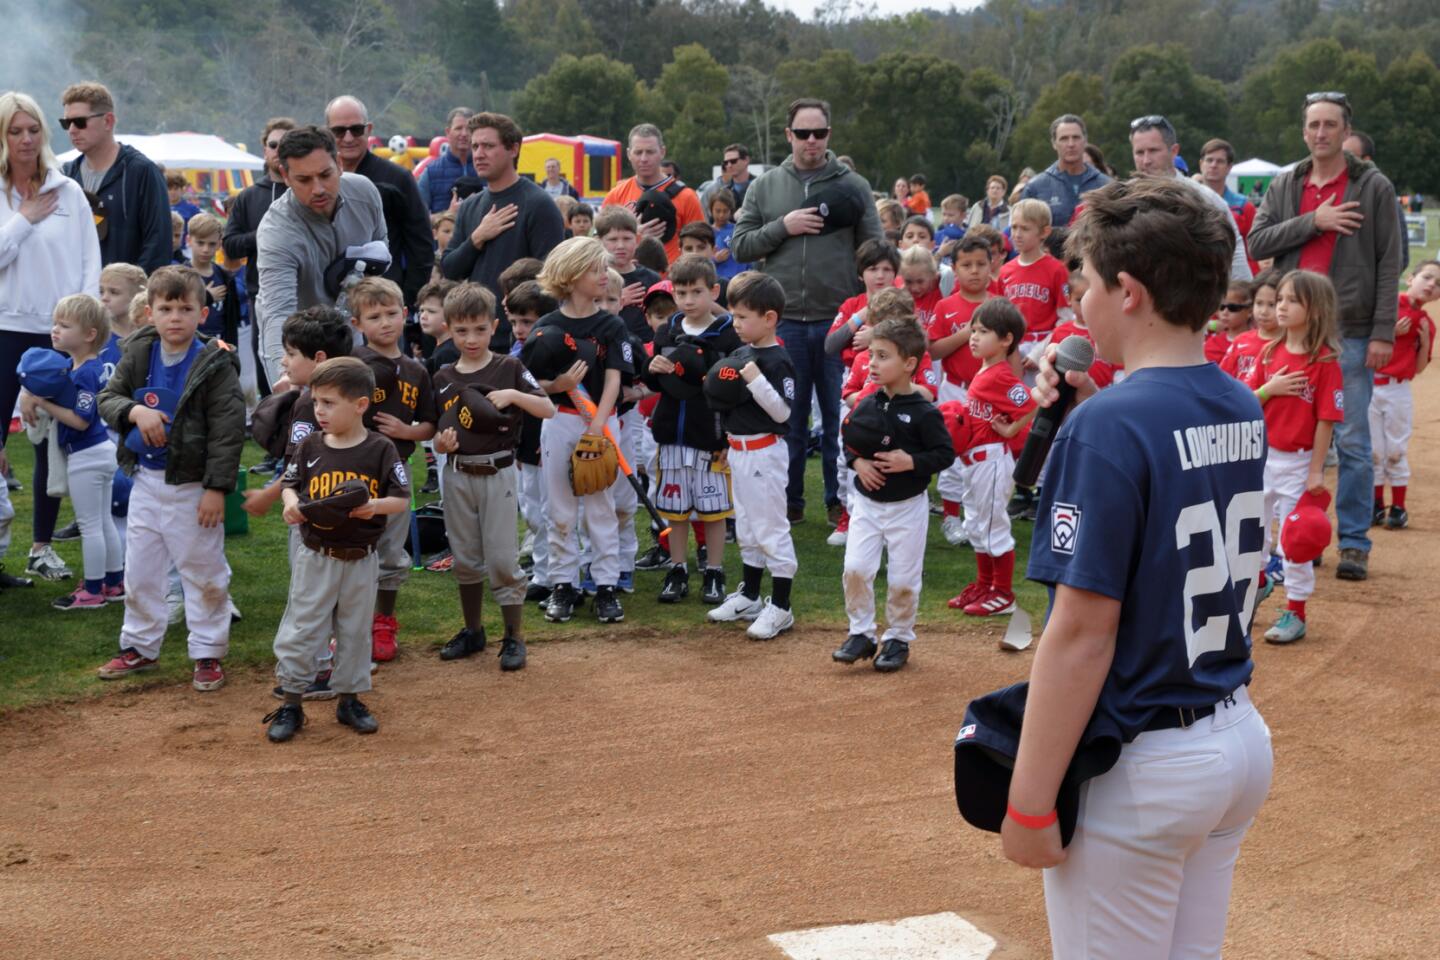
(1228, 569)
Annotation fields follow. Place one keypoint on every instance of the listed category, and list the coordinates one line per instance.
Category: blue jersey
(88, 380)
(110, 358)
(1154, 496)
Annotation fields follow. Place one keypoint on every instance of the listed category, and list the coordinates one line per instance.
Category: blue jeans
(1356, 489)
(813, 370)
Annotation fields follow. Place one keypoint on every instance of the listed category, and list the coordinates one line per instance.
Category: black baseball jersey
(918, 428)
(691, 422)
(634, 315)
(319, 469)
(775, 366)
(501, 373)
(613, 348)
(417, 396)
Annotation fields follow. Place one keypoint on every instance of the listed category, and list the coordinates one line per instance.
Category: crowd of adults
(325, 203)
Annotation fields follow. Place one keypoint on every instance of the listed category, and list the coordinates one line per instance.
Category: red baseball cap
(1307, 530)
(656, 289)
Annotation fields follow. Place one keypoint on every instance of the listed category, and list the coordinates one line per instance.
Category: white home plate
(939, 936)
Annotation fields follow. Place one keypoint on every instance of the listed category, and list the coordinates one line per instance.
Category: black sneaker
(677, 585)
(1377, 518)
(712, 594)
(284, 721)
(857, 646)
(607, 605)
(893, 654)
(432, 482)
(702, 557)
(10, 580)
(268, 465)
(463, 644)
(1397, 519)
(537, 593)
(653, 559)
(561, 605)
(512, 653)
(1019, 500)
(730, 530)
(355, 715)
(795, 514)
(71, 531)
(317, 689)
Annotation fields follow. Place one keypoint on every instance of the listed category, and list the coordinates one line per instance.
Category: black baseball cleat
(653, 559)
(71, 531)
(712, 594)
(702, 557)
(463, 644)
(857, 646)
(537, 593)
(893, 654)
(1397, 519)
(677, 585)
(561, 605)
(317, 689)
(268, 465)
(1377, 518)
(284, 721)
(607, 606)
(10, 580)
(355, 715)
(512, 653)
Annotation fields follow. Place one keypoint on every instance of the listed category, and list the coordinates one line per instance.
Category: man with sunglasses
(126, 189)
(1071, 175)
(407, 215)
(1336, 214)
(801, 223)
(734, 176)
(1154, 146)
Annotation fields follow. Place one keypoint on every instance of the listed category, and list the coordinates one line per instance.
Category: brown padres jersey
(319, 469)
(414, 401)
(501, 373)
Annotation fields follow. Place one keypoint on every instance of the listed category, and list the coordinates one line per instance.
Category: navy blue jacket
(136, 208)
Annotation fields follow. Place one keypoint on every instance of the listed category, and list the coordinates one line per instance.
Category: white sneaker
(837, 538)
(47, 565)
(176, 603)
(771, 623)
(953, 528)
(737, 606)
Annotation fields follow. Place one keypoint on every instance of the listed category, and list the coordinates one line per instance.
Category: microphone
(1074, 353)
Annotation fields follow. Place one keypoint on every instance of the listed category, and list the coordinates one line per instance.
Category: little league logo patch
(84, 402)
(1340, 400)
(625, 351)
(300, 430)
(530, 379)
(789, 388)
(967, 732)
(1018, 394)
(1064, 527)
(401, 476)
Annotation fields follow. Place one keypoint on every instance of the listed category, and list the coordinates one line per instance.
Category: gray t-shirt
(90, 178)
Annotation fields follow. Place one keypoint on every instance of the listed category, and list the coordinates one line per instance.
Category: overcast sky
(805, 9)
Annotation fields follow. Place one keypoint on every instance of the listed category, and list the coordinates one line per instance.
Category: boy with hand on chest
(339, 489)
(402, 409)
(895, 441)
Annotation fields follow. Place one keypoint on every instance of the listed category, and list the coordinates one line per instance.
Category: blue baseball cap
(155, 398)
(46, 373)
(120, 494)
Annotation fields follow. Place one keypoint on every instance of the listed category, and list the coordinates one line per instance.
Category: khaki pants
(327, 596)
(480, 525)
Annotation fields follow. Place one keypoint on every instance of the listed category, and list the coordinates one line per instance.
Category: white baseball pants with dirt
(632, 428)
(950, 483)
(891, 527)
(90, 475)
(1285, 474)
(558, 436)
(162, 530)
(1392, 415)
(328, 597)
(757, 484)
(1147, 875)
(987, 474)
(534, 508)
(480, 525)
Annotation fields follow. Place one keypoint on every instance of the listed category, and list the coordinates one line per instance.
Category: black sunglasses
(273, 145)
(818, 133)
(1234, 307)
(730, 161)
(78, 122)
(1153, 120)
(356, 130)
(1326, 96)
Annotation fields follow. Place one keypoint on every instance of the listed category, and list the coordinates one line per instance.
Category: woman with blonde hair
(48, 250)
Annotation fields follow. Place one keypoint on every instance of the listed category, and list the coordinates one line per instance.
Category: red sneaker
(383, 631)
(115, 594)
(965, 597)
(992, 604)
(127, 663)
(79, 599)
(208, 675)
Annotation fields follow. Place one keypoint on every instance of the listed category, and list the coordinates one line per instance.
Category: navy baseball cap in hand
(152, 398)
(46, 373)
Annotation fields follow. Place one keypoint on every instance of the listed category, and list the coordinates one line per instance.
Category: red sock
(1379, 495)
(1296, 607)
(699, 529)
(1005, 572)
(1397, 496)
(951, 507)
(985, 570)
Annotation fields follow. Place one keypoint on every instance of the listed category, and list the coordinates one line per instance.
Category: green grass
(48, 655)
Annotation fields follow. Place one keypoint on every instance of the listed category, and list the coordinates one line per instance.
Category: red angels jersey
(995, 391)
(951, 314)
(1244, 350)
(1290, 422)
(1218, 344)
(1101, 371)
(1407, 345)
(859, 381)
(996, 288)
(1038, 290)
(925, 305)
(845, 315)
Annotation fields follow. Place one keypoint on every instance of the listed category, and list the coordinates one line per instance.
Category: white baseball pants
(892, 527)
(162, 530)
(1285, 473)
(90, 474)
(1147, 875)
(328, 597)
(1392, 414)
(950, 483)
(757, 482)
(533, 508)
(986, 473)
(632, 429)
(557, 442)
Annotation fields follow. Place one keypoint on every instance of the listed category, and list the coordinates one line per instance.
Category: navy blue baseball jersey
(1153, 496)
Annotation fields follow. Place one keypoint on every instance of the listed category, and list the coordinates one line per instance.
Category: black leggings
(12, 345)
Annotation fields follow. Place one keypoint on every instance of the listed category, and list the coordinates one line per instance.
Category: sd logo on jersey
(1064, 527)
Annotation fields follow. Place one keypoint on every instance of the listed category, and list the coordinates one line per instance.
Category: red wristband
(1029, 822)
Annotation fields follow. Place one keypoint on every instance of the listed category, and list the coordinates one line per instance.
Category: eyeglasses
(1327, 96)
(356, 130)
(272, 145)
(1235, 307)
(78, 122)
(818, 133)
(1145, 123)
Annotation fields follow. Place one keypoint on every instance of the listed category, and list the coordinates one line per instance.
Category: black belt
(347, 554)
(484, 469)
(1169, 718)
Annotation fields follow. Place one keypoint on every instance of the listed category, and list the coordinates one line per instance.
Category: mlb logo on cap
(46, 373)
(1306, 532)
(159, 399)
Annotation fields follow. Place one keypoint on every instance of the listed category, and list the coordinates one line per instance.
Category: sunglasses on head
(818, 133)
(1234, 307)
(356, 130)
(1326, 96)
(78, 122)
(1153, 120)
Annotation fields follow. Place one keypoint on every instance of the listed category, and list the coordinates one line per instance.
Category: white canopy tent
(1252, 169)
(187, 151)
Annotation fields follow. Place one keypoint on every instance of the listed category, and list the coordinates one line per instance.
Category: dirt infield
(687, 797)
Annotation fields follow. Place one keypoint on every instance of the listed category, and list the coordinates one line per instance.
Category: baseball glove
(593, 465)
